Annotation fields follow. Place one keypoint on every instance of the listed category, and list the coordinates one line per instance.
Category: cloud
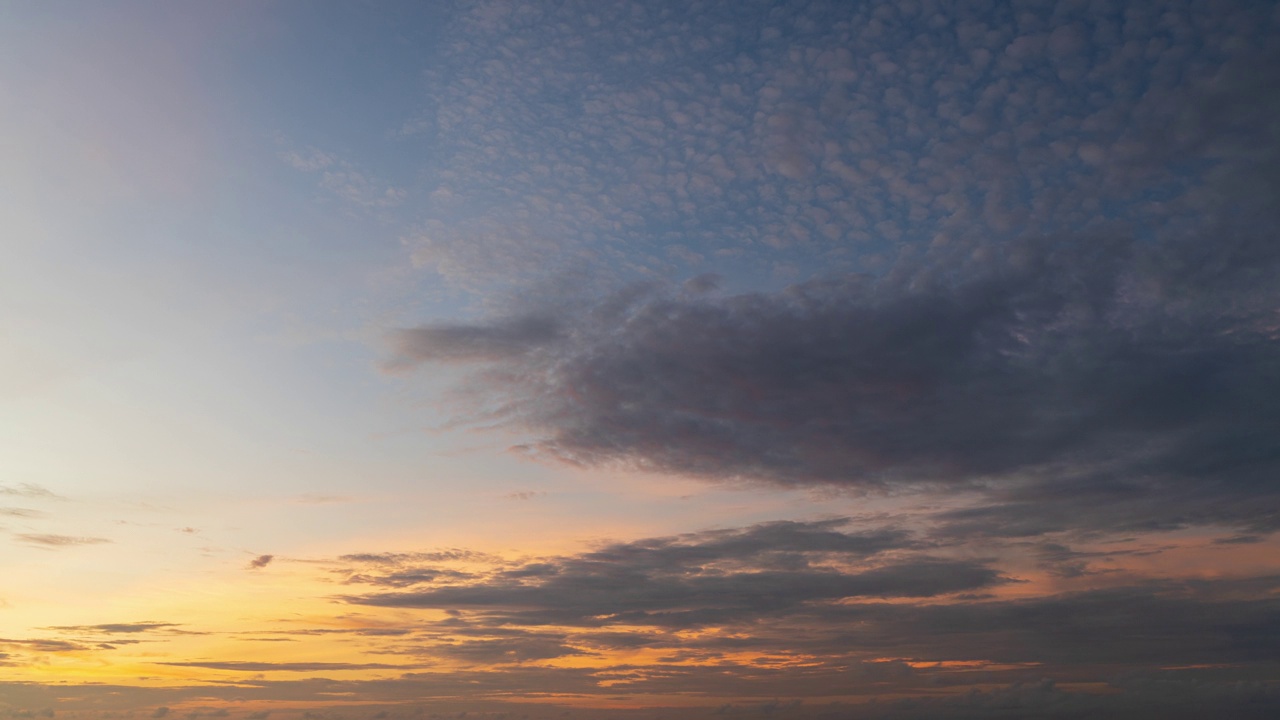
(525, 494)
(845, 689)
(345, 180)
(504, 650)
(461, 343)
(260, 562)
(575, 596)
(688, 581)
(827, 136)
(28, 490)
(43, 645)
(302, 667)
(1117, 648)
(58, 541)
(402, 558)
(123, 628)
(1154, 698)
(407, 578)
(1095, 369)
(292, 635)
(1160, 623)
(844, 648)
(22, 513)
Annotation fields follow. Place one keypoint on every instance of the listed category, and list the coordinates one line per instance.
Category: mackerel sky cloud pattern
(795, 137)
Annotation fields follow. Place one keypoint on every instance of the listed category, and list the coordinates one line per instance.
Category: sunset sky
(639, 359)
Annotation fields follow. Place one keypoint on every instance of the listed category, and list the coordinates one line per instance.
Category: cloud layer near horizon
(819, 618)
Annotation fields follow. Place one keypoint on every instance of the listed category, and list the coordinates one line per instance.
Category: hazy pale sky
(910, 359)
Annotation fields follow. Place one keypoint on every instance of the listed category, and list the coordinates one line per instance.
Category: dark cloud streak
(690, 580)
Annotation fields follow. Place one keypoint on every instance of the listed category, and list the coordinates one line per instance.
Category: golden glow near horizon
(288, 620)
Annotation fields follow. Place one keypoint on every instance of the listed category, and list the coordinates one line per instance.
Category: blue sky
(385, 359)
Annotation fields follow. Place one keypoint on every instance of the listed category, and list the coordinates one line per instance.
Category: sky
(633, 359)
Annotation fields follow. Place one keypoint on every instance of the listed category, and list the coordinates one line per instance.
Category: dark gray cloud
(504, 650)
(1218, 629)
(692, 580)
(759, 692)
(1163, 698)
(305, 667)
(1097, 370)
(574, 596)
(1155, 624)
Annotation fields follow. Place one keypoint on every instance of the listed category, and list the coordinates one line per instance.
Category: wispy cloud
(146, 626)
(43, 645)
(301, 667)
(22, 513)
(27, 490)
(58, 541)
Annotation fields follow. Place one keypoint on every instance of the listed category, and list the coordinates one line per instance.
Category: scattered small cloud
(344, 180)
(22, 513)
(525, 494)
(260, 562)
